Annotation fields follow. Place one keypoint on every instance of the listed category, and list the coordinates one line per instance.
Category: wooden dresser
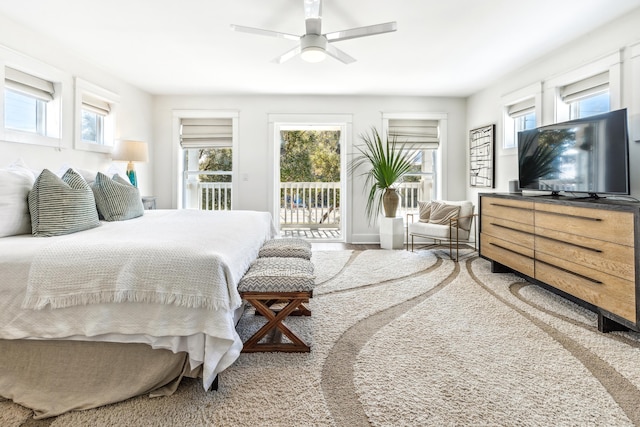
(585, 249)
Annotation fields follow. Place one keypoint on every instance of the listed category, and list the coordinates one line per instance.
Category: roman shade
(522, 108)
(95, 105)
(586, 87)
(420, 132)
(29, 84)
(206, 133)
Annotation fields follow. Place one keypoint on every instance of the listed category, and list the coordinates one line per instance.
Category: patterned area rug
(405, 339)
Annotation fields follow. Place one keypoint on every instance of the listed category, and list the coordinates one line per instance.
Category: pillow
(117, 200)
(424, 210)
(15, 183)
(441, 213)
(61, 205)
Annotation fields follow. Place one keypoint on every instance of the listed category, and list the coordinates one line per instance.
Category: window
(207, 163)
(30, 107)
(587, 97)
(423, 136)
(519, 116)
(94, 113)
(95, 117)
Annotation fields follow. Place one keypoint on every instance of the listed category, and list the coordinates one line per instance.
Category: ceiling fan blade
(369, 30)
(287, 55)
(313, 9)
(339, 54)
(261, 32)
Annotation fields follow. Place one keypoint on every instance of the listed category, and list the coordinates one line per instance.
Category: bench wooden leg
(275, 321)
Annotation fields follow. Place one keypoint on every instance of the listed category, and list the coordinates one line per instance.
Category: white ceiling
(441, 48)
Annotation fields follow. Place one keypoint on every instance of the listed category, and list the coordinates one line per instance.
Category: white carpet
(407, 339)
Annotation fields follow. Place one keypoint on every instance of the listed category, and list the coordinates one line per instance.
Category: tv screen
(589, 155)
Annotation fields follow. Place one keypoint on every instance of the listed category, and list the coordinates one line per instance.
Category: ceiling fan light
(313, 54)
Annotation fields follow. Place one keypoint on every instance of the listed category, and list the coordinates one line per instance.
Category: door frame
(342, 121)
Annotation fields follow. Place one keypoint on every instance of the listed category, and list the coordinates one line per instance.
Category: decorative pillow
(441, 213)
(424, 210)
(277, 274)
(292, 248)
(117, 200)
(61, 205)
(15, 183)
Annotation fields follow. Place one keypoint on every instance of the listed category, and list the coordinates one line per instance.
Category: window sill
(30, 138)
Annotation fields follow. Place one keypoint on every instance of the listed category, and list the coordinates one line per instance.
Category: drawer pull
(597, 282)
(509, 228)
(588, 218)
(509, 250)
(571, 244)
(509, 206)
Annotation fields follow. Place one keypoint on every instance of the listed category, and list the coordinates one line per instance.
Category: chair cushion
(277, 274)
(61, 205)
(288, 248)
(435, 231)
(442, 213)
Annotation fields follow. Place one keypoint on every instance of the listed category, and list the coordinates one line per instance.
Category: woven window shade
(586, 87)
(26, 83)
(415, 132)
(95, 105)
(206, 133)
(522, 108)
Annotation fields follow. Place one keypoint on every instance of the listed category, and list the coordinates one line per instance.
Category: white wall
(134, 109)
(254, 156)
(485, 107)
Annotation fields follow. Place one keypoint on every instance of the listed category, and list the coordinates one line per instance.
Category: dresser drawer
(514, 232)
(611, 258)
(514, 256)
(600, 289)
(599, 224)
(514, 210)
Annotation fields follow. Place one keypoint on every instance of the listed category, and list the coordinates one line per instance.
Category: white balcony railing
(310, 204)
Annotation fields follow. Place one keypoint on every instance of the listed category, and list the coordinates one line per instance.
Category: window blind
(206, 133)
(522, 108)
(415, 132)
(586, 87)
(95, 105)
(26, 83)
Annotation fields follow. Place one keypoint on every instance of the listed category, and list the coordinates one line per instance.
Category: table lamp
(131, 151)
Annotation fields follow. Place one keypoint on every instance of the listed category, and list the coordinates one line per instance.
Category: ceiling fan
(313, 45)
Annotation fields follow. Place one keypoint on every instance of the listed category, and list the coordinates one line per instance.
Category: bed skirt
(52, 377)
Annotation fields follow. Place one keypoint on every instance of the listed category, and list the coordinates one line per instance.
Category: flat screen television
(588, 155)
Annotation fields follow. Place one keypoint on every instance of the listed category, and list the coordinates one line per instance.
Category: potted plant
(387, 163)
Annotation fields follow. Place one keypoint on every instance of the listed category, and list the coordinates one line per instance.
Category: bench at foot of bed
(270, 283)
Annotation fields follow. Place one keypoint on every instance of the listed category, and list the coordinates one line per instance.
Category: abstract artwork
(481, 157)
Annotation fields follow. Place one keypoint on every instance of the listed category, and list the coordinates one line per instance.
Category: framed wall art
(481, 170)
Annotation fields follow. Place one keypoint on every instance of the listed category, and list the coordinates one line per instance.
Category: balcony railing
(310, 204)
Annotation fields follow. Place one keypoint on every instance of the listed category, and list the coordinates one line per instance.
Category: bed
(65, 347)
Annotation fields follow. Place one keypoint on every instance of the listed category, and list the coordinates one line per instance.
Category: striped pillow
(61, 205)
(117, 200)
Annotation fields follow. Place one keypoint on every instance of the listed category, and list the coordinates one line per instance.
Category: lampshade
(131, 151)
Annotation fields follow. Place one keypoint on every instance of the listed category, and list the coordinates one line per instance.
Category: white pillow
(15, 183)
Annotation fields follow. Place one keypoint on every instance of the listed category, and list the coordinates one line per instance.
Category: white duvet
(231, 238)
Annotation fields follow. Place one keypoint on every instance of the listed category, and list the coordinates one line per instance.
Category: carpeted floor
(410, 339)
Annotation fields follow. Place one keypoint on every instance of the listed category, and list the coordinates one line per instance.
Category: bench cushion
(278, 274)
(289, 248)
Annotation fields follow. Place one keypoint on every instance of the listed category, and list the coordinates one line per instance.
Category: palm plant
(387, 163)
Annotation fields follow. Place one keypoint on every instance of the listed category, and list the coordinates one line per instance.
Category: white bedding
(209, 336)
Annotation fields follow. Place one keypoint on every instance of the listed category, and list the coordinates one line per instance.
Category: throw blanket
(192, 259)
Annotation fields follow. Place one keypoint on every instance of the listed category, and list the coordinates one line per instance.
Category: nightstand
(149, 202)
